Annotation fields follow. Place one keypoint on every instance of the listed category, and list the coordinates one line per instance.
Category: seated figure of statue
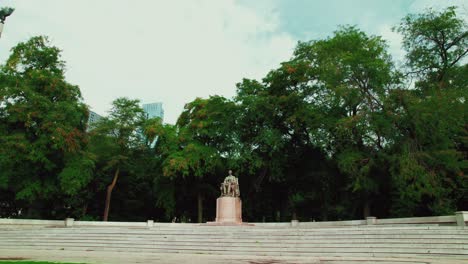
(230, 186)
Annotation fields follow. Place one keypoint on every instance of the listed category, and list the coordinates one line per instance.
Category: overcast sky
(174, 51)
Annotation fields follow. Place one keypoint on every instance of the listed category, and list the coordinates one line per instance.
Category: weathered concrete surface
(168, 258)
(181, 243)
(365, 242)
(460, 219)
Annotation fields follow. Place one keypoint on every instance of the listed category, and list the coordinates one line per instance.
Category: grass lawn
(32, 262)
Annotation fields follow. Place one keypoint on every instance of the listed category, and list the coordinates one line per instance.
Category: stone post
(294, 223)
(461, 217)
(69, 222)
(150, 223)
(371, 220)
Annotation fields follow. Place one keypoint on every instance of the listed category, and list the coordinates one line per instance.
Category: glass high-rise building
(93, 119)
(154, 110)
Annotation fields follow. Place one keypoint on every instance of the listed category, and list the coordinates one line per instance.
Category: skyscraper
(154, 110)
(92, 119)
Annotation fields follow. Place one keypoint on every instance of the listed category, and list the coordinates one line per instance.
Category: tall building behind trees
(93, 119)
(154, 110)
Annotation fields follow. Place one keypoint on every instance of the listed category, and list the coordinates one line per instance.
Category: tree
(430, 124)
(328, 134)
(116, 138)
(42, 128)
(427, 155)
(351, 74)
(435, 42)
(195, 148)
(166, 144)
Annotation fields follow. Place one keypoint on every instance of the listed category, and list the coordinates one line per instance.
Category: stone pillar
(150, 223)
(461, 217)
(294, 223)
(69, 222)
(228, 210)
(371, 220)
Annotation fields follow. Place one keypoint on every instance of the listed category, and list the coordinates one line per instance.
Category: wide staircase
(410, 242)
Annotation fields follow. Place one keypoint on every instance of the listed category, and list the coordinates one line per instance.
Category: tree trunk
(109, 194)
(259, 179)
(34, 211)
(367, 210)
(200, 207)
(85, 209)
(294, 215)
(324, 213)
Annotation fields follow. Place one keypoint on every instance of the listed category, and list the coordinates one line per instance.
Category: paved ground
(130, 258)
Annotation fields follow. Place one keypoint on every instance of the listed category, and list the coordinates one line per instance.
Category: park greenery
(339, 131)
(31, 262)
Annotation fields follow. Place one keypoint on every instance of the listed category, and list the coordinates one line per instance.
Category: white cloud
(421, 5)
(171, 51)
(394, 40)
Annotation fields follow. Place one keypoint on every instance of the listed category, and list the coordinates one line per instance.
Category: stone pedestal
(228, 210)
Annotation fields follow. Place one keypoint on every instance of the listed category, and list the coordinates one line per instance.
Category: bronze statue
(230, 186)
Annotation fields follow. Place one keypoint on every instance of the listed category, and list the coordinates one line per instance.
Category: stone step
(255, 244)
(394, 252)
(420, 241)
(253, 232)
(244, 229)
(253, 237)
(243, 240)
(241, 237)
(425, 240)
(248, 228)
(241, 229)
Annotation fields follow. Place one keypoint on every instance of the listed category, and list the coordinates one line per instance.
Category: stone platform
(228, 211)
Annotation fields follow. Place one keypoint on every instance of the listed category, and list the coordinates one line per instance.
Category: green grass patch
(32, 262)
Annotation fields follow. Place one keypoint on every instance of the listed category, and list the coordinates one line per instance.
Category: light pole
(4, 13)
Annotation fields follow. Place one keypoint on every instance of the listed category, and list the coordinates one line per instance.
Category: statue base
(228, 211)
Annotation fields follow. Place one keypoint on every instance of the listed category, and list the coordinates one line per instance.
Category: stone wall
(460, 219)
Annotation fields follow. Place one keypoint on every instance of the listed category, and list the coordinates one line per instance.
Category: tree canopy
(338, 131)
(42, 127)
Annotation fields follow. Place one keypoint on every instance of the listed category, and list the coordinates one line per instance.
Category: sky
(174, 51)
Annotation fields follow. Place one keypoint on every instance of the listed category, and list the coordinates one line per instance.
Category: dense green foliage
(336, 132)
(43, 156)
